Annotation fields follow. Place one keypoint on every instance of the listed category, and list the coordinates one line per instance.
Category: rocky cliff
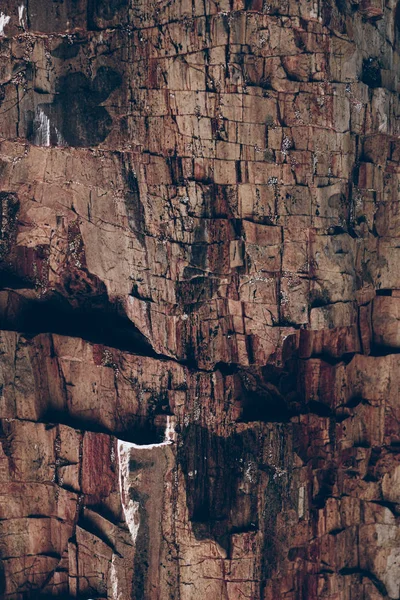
(200, 299)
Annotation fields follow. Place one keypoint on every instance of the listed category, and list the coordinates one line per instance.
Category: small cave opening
(326, 480)
(268, 395)
(265, 407)
(371, 73)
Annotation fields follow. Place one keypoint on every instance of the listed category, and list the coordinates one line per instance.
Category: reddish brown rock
(199, 285)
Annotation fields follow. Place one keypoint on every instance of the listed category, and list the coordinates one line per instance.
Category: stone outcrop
(199, 300)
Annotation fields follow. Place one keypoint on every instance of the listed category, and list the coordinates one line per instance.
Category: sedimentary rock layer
(199, 300)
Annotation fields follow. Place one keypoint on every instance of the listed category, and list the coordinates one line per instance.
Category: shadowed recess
(76, 117)
(95, 320)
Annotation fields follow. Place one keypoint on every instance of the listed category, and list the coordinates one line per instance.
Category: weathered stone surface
(386, 317)
(199, 300)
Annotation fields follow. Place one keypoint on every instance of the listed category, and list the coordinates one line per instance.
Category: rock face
(200, 299)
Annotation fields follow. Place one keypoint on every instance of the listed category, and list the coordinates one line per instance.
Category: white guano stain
(384, 123)
(21, 16)
(117, 594)
(314, 11)
(169, 431)
(4, 20)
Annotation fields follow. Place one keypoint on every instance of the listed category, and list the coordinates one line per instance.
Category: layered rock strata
(199, 299)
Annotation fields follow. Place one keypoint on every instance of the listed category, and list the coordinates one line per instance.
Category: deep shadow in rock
(95, 320)
(215, 469)
(75, 118)
(66, 50)
(136, 429)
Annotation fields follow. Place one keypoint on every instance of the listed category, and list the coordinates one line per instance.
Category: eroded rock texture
(200, 299)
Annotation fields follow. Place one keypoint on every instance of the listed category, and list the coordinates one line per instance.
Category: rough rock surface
(200, 299)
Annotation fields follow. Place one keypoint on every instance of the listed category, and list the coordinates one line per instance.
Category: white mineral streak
(130, 508)
(21, 16)
(301, 503)
(42, 134)
(117, 594)
(314, 10)
(3, 22)
(60, 139)
(169, 431)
